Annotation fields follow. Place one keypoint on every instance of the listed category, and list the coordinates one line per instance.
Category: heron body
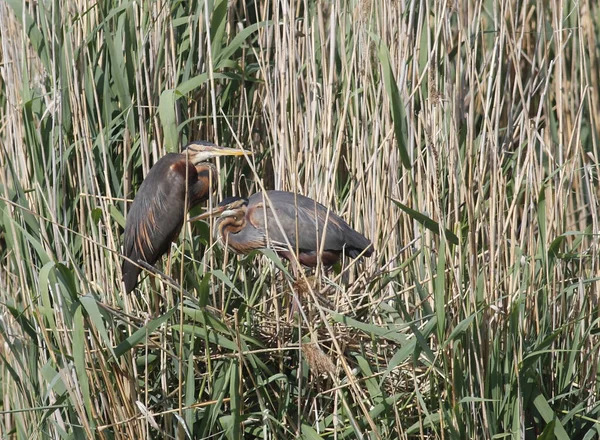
(175, 184)
(248, 224)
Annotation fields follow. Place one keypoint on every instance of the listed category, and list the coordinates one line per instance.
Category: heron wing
(304, 222)
(155, 217)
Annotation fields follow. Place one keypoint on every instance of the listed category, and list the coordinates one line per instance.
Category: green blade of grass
(396, 104)
(427, 222)
(142, 333)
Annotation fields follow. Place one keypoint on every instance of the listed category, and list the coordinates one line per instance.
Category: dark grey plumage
(244, 228)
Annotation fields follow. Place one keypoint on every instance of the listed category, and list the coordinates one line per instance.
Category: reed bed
(460, 137)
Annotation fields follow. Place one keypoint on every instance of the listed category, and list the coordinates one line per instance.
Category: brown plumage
(158, 211)
(248, 224)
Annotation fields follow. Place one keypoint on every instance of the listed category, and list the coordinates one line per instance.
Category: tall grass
(461, 138)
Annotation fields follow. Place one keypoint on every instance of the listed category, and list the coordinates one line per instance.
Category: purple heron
(243, 224)
(158, 210)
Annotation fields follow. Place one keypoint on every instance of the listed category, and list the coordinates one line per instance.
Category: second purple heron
(249, 224)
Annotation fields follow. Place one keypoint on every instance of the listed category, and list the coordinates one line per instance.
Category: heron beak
(224, 151)
(215, 212)
(202, 151)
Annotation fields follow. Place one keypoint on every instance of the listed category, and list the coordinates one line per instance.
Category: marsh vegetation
(461, 138)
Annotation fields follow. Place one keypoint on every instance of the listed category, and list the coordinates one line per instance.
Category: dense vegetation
(460, 137)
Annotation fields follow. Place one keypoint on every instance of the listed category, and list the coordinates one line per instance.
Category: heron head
(231, 206)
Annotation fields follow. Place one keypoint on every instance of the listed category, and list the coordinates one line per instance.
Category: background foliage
(461, 137)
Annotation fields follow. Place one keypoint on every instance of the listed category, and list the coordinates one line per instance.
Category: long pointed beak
(214, 213)
(201, 151)
(225, 151)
